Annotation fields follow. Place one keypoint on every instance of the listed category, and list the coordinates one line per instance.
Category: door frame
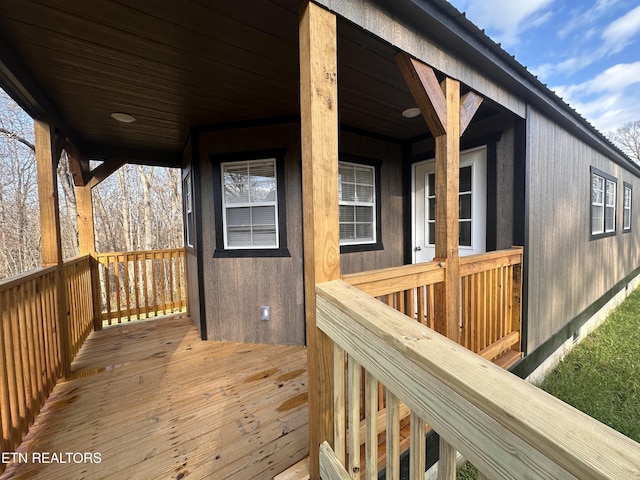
(484, 184)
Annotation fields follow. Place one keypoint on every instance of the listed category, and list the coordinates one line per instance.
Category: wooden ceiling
(174, 64)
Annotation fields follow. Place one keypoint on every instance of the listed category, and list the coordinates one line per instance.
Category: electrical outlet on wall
(265, 312)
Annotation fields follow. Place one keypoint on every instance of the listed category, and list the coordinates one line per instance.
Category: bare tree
(628, 139)
(19, 209)
(135, 209)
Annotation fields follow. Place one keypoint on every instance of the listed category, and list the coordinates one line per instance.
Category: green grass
(601, 375)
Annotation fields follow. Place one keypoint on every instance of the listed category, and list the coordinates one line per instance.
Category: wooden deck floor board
(157, 402)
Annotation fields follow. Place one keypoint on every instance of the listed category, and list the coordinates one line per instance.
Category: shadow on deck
(151, 400)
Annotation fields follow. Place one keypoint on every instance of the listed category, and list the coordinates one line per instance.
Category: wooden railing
(503, 425)
(79, 275)
(33, 351)
(144, 284)
(490, 285)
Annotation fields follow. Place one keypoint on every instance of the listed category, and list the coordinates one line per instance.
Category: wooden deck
(151, 400)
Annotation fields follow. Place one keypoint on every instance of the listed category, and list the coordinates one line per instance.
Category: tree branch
(18, 138)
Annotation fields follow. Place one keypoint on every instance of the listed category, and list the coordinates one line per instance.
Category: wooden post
(86, 232)
(447, 192)
(516, 302)
(319, 142)
(47, 156)
(447, 115)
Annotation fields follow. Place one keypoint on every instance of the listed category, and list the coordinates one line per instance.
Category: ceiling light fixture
(123, 117)
(411, 112)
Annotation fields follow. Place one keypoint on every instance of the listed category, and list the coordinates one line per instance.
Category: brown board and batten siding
(391, 202)
(567, 269)
(236, 287)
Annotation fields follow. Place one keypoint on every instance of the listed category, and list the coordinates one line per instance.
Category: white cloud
(615, 37)
(621, 31)
(608, 100)
(507, 18)
(616, 78)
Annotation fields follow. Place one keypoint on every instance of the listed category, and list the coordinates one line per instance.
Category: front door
(472, 211)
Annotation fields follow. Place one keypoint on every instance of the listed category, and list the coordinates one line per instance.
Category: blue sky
(587, 51)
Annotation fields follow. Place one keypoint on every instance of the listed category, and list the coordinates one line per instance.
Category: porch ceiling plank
(16, 78)
(424, 86)
(245, 418)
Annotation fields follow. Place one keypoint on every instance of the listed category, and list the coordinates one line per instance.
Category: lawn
(601, 375)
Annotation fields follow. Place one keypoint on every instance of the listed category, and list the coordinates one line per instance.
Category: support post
(86, 231)
(319, 142)
(447, 305)
(447, 115)
(46, 161)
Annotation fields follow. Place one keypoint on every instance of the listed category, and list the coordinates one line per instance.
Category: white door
(472, 210)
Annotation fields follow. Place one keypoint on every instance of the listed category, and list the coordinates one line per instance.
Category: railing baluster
(354, 371)
(23, 345)
(371, 422)
(127, 286)
(339, 416)
(170, 262)
(5, 376)
(422, 300)
(393, 436)
(417, 447)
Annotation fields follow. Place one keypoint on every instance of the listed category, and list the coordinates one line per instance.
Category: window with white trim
(603, 203)
(250, 204)
(357, 202)
(626, 208)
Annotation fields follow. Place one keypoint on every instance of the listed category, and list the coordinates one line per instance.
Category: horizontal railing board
(490, 260)
(503, 425)
(22, 278)
(395, 279)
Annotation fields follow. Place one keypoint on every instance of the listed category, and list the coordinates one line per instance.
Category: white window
(603, 203)
(250, 204)
(597, 204)
(626, 208)
(188, 205)
(465, 202)
(610, 206)
(357, 200)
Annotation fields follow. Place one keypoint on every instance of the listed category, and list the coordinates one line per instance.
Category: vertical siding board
(570, 270)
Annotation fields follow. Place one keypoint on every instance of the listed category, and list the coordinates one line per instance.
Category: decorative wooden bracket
(103, 171)
(426, 91)
(429, 95)
(78, 165)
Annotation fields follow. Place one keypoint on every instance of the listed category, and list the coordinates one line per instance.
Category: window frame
(221, 249)
(607, 180)
(189, 217)
(627, 187)
(376, 244)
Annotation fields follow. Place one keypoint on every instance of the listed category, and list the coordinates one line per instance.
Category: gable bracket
(426, 91)
(469, 104)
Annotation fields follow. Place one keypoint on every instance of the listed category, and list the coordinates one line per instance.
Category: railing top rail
(505, 426)
(141, 252)
(15, 280)
(393, 279)
(75, 260)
